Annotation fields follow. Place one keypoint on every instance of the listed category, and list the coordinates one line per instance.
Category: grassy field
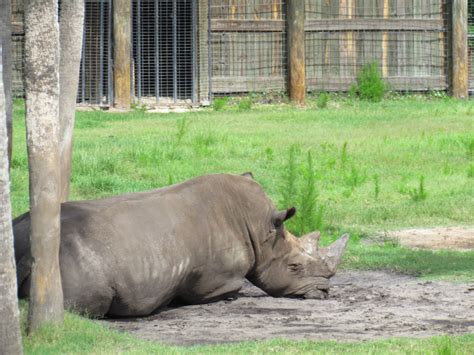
(363, 167)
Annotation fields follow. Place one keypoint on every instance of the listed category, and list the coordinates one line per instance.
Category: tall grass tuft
(299, 189)
(344, 154)
(376, 186)
(418, 194)
(306, 219)
(288, 188)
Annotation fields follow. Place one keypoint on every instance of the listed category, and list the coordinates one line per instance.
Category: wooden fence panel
(248, 45)
(406, 38)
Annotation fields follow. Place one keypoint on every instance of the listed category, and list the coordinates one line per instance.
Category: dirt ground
(455, 238)
(361, 306)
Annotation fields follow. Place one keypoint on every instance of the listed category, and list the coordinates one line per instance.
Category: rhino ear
(248, 174)
(279, 217)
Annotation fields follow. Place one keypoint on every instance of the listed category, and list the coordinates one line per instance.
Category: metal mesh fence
(185, 49)
(470, 20)
(18, 36)
(248, 45)
(95, 78)
(165, 50)
(406, 38)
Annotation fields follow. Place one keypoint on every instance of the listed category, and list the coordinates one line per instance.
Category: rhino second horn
(332, 255)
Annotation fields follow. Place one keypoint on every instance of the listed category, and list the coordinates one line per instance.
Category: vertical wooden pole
(122, 54)
(460, 79)
(296, 51)
(386, 12)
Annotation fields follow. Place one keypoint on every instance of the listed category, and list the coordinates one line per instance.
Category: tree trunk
(42, 133)
(10, 338)
(6, 35)
(71, 29)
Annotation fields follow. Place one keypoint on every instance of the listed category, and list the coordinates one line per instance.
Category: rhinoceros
(195, 242)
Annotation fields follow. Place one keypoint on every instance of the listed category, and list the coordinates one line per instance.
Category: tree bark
(6, 35)
(42, 133)
(70, 32)
(10, 338)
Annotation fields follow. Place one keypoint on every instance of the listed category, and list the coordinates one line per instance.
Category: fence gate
(95, 78)
(164, 50)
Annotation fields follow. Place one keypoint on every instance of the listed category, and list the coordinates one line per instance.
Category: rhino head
(296, 267)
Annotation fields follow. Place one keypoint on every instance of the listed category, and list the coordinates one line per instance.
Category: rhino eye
(295, 267)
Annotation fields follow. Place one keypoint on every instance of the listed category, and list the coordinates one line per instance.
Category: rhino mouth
(311, 291)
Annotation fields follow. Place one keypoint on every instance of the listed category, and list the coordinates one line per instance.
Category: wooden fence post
(296, 50)
(459, 77)
(122, 54)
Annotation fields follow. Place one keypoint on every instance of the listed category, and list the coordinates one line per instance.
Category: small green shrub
(323, 99)
(245, 104)
(370, 85)
(219, 103)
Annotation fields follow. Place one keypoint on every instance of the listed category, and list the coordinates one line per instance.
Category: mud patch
(361, 306)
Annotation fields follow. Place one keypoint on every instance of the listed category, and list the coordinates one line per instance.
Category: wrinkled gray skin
(195, 242)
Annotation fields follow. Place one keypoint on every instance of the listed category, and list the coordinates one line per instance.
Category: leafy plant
(370, 85)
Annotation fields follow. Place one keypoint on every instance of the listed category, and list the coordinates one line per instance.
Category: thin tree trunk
(6, 34)
(42, 133)
(71, 30)
(10, 338)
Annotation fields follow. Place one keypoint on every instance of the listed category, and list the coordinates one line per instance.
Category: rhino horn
(332, 254)
(310, 243)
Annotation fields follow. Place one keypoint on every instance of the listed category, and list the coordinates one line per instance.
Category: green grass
(83, 336)
(367, 163)
(397, 140)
